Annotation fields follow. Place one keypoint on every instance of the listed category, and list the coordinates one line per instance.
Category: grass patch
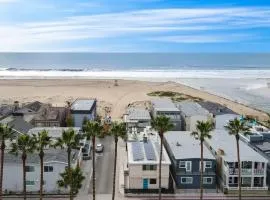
(175, 96)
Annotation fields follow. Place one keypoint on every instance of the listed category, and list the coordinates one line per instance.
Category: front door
(145, 183)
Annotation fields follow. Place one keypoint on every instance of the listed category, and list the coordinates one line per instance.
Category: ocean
(240, 77)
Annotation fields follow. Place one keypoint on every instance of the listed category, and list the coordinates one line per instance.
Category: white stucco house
(142, 167)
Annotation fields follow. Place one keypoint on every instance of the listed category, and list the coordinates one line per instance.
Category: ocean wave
(135, 74)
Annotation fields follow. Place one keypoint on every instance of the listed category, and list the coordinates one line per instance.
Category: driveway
(104, 167)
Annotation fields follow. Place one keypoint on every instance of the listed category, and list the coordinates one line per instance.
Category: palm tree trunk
(201, 178)
(2, 167)
(159, 172)
(94, 168)
(114, 170)
(41, 156)
(24, 176)
(239, 168)
(69, 171)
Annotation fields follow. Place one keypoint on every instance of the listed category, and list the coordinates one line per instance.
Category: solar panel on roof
(149, 151)
(137, 151)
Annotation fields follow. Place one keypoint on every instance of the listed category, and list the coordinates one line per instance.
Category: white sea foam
(137, 74)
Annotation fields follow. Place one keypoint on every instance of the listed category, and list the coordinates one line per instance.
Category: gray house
(166, 107)
(184, 152)
(83, 109)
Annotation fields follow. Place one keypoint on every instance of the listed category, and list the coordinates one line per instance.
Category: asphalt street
(104, 167)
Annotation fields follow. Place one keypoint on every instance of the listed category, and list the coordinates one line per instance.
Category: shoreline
(58, 91)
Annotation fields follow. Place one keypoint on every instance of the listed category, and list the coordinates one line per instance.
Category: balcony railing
(258, 171)
(233, 171)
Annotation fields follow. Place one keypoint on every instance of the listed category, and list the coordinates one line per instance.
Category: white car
(99, 148)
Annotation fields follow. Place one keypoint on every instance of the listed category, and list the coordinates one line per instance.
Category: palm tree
(235, 127)
(75, 182)
(42, 141)
(202, 132)
(161, 124)
(267, 122)
(25, 145)
(6, 133)
(117, 130)
(69, 140)
(92, 130)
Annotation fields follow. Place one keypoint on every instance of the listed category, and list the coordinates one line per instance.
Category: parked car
(99, 148)
(86, 152)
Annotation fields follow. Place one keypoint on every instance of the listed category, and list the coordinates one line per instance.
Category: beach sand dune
(117, 98)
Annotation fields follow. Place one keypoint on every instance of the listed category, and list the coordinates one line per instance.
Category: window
(185, 164)
(208, 164)
(182, 164)
(29, 183)
(153, 181)
(188, 167)
(29, 168)
(230, 180)
(207, 180)
(149, 167)
(186, 180)
(48, 168)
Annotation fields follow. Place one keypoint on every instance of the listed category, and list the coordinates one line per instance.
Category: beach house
(184, 152)
(142, 167)
(166, 107)
(259, 139)
(137, 119)
(82, 109)
(55, 162)
(253, 164)
(192, 112)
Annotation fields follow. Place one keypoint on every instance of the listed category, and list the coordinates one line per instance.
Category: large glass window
(149, 167)
(48, 168)
(29, 168)
(30, 182)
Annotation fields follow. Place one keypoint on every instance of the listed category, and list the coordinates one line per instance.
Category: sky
(135, 26)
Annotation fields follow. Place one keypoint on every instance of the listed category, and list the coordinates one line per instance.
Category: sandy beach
(57, 92)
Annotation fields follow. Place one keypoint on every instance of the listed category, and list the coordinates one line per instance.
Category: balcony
(258, 171)
(233, 171)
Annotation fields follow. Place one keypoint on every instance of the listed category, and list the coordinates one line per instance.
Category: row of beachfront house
(181, 159)
(31, 119)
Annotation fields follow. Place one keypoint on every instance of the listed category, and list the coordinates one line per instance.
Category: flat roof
(83, 104)
(191, 109)
(222, 120)
(185, 146)
(139, 154)
(164, 105)
(54, 132)
(137, 114)
(50, 155)
(215, 108)
(221, 140)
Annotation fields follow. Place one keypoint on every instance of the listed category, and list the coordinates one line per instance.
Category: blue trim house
(83, 109)
(184, 152)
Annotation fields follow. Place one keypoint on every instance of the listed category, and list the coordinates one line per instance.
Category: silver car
(99, 148)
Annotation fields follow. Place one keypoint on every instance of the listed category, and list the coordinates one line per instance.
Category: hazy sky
(135, 25)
